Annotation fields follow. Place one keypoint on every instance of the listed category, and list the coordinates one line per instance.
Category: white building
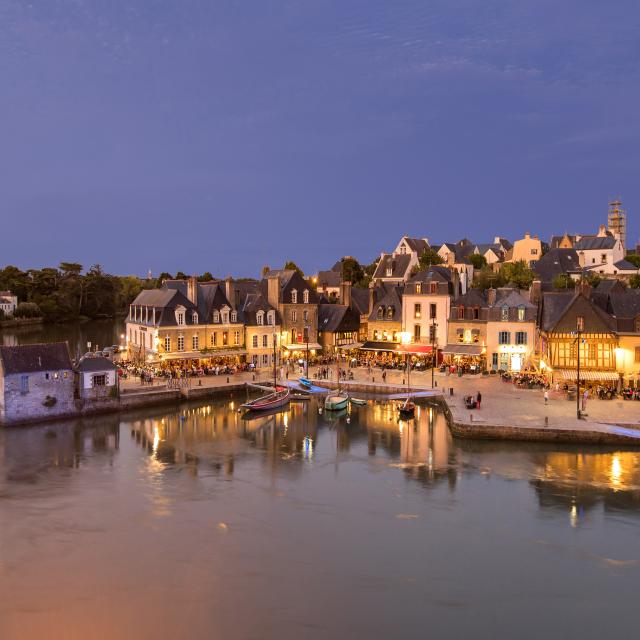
(8, 302)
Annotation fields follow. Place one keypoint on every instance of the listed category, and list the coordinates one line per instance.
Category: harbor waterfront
(302, 524)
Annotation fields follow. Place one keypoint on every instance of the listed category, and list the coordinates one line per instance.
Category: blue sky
(226, 135)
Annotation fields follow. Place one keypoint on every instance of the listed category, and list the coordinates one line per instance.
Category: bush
(27, 310)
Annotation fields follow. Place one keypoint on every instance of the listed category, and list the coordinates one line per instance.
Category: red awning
(414, 348)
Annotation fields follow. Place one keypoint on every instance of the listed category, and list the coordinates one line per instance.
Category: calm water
(194, 523)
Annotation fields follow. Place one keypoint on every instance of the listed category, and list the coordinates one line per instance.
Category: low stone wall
(196, 393)
(365, 387)
(19, 322)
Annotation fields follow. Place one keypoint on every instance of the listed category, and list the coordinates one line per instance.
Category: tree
(352, 271)
(292, 266)
(478, 261)
(634, 282)
(562, 281)
(594, 279)
(487, 278)
(518, 273)
(634, 259)
(205, 277)
(429, 258)
(164, 276)
(27, 310)
(181, 276)
(265, 270)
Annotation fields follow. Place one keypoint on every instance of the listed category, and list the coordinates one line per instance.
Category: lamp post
(307, 328)
(434, 325)
(579, 330)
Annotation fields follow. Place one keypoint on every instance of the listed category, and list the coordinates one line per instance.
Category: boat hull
(336, 402)
(271, 401)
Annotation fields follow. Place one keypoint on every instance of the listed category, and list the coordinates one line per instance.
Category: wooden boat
(305, 382)
(279, 398)
(336, 400)
(360, 402)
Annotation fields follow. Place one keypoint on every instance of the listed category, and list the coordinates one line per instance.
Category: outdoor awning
(352, 345)
(197, 355)
(379, 346)
(414, 348)
(571, 374)
(463, 349)
(302, 346)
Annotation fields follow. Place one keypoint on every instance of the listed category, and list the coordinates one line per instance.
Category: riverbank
(16, 323)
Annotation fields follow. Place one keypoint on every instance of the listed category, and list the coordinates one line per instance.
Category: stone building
(97, 378)
(8, 302)
(36, 382)
(262, 330)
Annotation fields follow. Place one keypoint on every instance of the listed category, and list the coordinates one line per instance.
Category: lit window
(418, 287)
(195, 343)
(294, 316)
(294, 296)
(521, 313)
(236, 337)
(167, 343)
(417, 310)
(254, 342)
(260, 317)
(180, 343)
(305, 296)
(504, 314)
(265, 341)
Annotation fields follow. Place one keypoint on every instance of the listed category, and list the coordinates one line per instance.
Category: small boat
(358, 401)
(336, 400)
(305, 382)
(407, 409)
(279, 398)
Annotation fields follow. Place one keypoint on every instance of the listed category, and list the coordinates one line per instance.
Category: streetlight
(434, 325)
(307, 328)
(579, 330)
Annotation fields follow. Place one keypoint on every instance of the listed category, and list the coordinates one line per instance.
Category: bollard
(471, 417)
(546, 421)
(227, 379)
(435, 384)
(199, 383)
(450, 391)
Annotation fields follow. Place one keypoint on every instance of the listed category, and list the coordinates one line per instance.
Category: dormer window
(389, 272)
(234, 316)
(271, 318)
(194, 318)
(461, 312)
(403, 249)
(305, 296)
(294, 297)
(216, 316)
(380, 313)
(225, 317)
(433, 287)
(521, 313)
(260, 317)
(504, 314)
(418, 287)
(180, 317)
(390, 313)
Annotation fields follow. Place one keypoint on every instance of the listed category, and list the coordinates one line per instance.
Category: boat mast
(275, 374)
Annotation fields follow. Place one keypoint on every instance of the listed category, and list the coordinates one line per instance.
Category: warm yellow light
(619, 351)
(405, 337)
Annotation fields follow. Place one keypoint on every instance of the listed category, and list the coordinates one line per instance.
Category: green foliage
(487, 278)
(562, 281)
(478, 261)
(27, 310)
(181, 275)
(429, 258)
(633, 258)
(205, 277)
(164, 276)
(634, 282)
(292, 266)
(594, 279)
(518, 273)
(354, 272)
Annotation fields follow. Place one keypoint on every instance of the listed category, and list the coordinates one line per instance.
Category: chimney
(491, 296)
(228, 291)
(527, 236)
(345, 293)
(602, 231)
(451, 258)
(192, 290)
(535, 292)
(372, 298)
(273, 291)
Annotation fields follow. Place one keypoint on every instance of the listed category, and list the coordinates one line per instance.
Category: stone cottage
(36, 382)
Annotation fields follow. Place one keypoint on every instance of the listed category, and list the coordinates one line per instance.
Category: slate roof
(556, 262)
(388, 296)
(95, 363)
(587, 243)
(483, 248)
(473, 298)
(442, 276)
(419, 245)
(556, 240)
(251, 304)
(337, 317)
(31, 358)
(360, 300)
(624, 265)
(555, 305)
(329, 278)
(507, 244)
(399, 265)
(625, 305)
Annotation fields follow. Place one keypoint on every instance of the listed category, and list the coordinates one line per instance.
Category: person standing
(546, 396)
(585, 397)
(478, 400)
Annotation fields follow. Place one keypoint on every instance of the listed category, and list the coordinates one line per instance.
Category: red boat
(274, 400)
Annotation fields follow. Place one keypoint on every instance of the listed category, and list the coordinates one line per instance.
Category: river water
(193, 522)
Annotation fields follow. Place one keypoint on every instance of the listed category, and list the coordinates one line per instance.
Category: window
(180, 343)
(389, 272)
(521, 313)
(504, 314)
(234, 316)
(476, 313)
(194, 318)
(46, 376)
(167, 343)
(254, 342)
(216, 316)
(403, 250)
(432, 310)
(460, 312)
(521, 337)
(475, 336)
(580, 323)
(418, 287)
(225, 338)
(294, 296)
(305, 315)
(376, 335)
(236, 337)
(180, 317)
(417, 310)
(225, 317)
(265, 359)
(271, 317)
(638, 324)
(254, 359)
(99, 380)
(265, 340)
(416, 333)
(260, 317)
(433, 287)
(432, 333)
(534, 252)
(214, 339)
(494, 360)
(390, 313)
(294, 316)
(380, 313)
(603, 258)
(637, 354)
(24, 384)
(305, 296)
(194, 342)
(460, 335)
(504, 337)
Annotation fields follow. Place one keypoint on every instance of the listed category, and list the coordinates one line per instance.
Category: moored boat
(336, 400)
(279, 398)
(407, 409)
(305, 382)
(358, 401)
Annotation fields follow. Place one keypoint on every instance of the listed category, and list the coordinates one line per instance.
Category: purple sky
(225, 135)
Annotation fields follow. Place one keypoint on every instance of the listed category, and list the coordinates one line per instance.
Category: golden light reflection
(616, 471)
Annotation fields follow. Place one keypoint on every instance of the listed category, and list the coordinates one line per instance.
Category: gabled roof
(473, 298)
(624, 265)
(512, 298)
(31, 358)
(625, 304)
(90, 364)
(560, 309)
(484, 248)
(419, 245)
(329, 278)
(337, 317)
(587, 243)
(388, 296)
(251, 304)
(556, 262)
(360, 300)
(399, 265)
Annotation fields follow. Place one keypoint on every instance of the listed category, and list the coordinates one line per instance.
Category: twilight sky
(224, 135)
